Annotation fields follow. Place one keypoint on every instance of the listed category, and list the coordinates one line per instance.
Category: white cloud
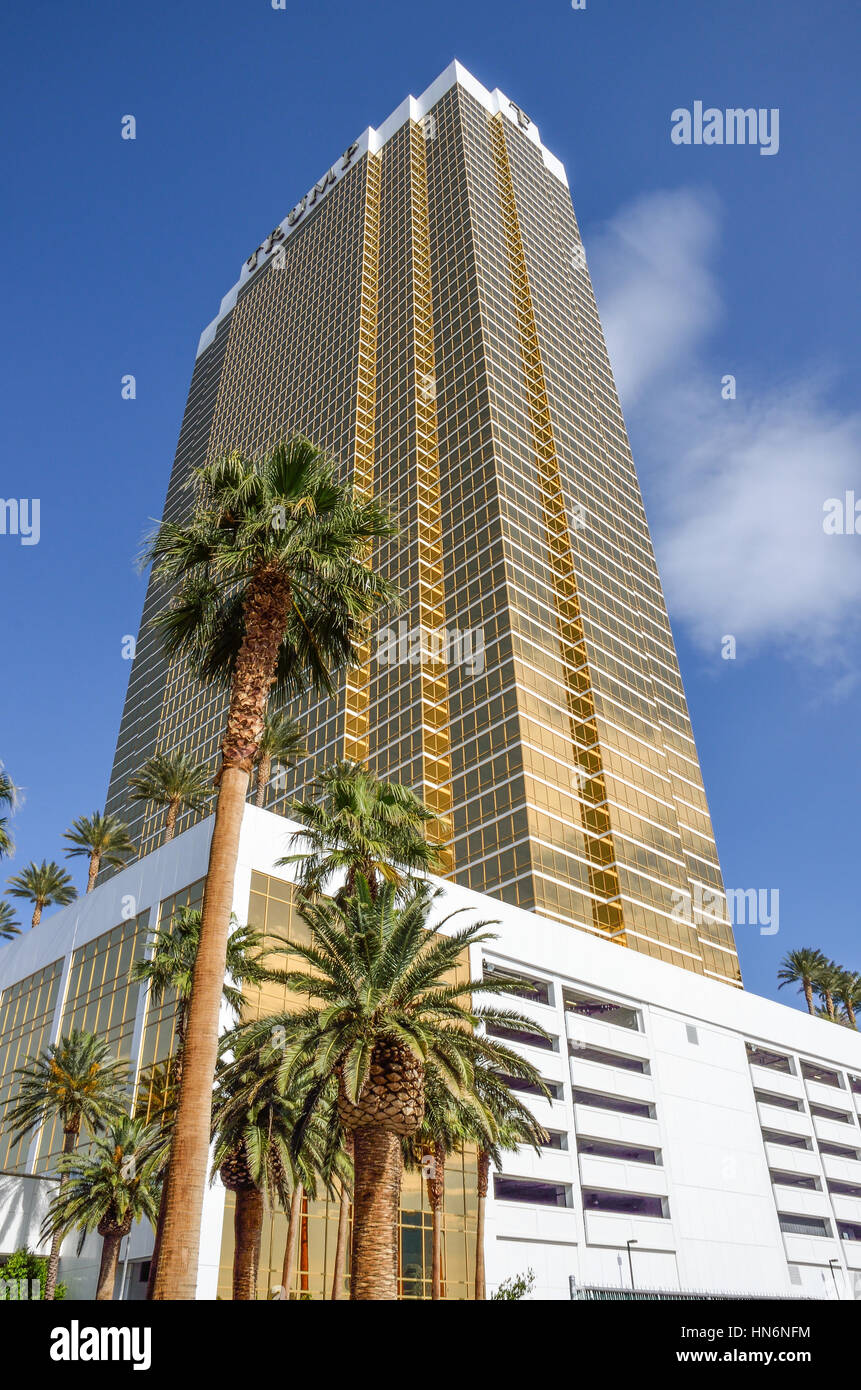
(735, 488)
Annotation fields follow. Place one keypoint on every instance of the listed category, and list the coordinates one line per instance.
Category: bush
(517, 1286)
(27, 1267)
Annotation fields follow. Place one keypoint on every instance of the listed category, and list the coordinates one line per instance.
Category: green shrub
(26, 1266)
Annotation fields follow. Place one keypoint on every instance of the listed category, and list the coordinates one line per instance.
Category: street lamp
(831, 1264)
(629, 1243)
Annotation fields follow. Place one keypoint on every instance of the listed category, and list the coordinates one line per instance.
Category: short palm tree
(108, 1189)
(77, 1082)
(173, 780)
(283, 742)
(355, 824)
(272, 592)
(103, 839)
(253, 1128)
(802, 967)
(43, 885)
(849, 994)
(8, 797)
(169, 966)
(9, 926)
(827, 984)
(511, 1125)
(382, 1006)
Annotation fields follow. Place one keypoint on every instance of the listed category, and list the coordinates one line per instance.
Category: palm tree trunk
(95, 861)
(850, 1011)
(264, 767)
(483, 1183)
(265, 610)
(247, 1227)
(376, 1199)
(176, 1276)
(292, 1235)
(436, 1192)
(159, 1228)
(170, 823)
(808, 994)
(70, 1139)
(829, 1003)
(341, 1244)
(37, 915)
(108, 1268)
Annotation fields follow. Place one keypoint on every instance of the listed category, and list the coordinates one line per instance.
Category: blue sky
(707, 261)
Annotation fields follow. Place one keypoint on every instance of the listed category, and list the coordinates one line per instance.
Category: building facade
(699, 1137)
(425, 313)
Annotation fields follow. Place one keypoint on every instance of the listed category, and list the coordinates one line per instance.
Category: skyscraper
(425, 313)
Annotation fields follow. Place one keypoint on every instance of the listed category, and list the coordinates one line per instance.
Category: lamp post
(831, 1263)
(629, 1243)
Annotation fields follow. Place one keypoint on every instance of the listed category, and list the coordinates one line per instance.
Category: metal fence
(595, 1293)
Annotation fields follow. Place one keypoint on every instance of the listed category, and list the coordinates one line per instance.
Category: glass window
(619, 1103)
(608, 1059)
(602, 1148)
(541, 1194)
(604, 1009)
(626, 1203)
(784, 1102)
(761, 1057)
(804, 1225)
(811, 1071)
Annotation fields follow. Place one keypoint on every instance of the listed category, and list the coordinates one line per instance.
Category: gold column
(600, 850)
(358, 677)
(436, 741)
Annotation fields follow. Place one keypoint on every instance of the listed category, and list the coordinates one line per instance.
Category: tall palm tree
(282, 741)
(43, 885)
(173, 780)
(849, 994)
(169, 966)
(802, 967)
(76, 1081)
(355, 824)
(102, 839)
(272, 591)
(8, 797)
(107, 1190)
(382, 1006)
(8, 922)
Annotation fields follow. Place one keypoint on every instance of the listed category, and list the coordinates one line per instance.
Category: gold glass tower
(425, 313)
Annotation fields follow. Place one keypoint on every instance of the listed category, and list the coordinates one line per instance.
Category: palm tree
(107, 1190)
(8, 797)
(802, 967)
(282, 742)
(273, 590)
(169, 965)
(8, 922)
(849, 994)
(78, 1083)
(173, 780)
(101, 838)
(827, 983)
(512, 1124)
(359, 825)
(382, 1006)
(42, 885)
(253, 1127)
